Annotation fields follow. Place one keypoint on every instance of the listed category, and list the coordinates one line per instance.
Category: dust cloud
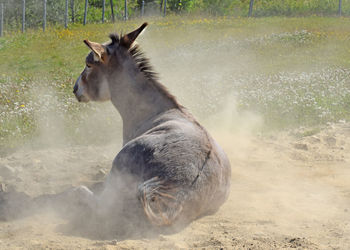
(286, 191)
(278, 188)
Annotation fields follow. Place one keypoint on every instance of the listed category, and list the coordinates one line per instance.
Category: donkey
(169, 172)
(177, 170)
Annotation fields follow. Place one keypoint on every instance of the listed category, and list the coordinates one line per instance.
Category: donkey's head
(92, 84)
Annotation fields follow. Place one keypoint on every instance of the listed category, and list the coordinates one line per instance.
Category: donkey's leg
(81, 195)
(161, 200)
(70, 202)
(14, 205)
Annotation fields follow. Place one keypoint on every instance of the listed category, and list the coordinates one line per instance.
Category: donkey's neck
(137, 99)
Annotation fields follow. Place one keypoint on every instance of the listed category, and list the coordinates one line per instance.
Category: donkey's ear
(128, 39)
(98, 49)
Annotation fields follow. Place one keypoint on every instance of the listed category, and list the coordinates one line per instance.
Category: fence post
(112, 11)
(164, 11)
(23, 15)
(44, 16)
(339, 9)
(103, 10)
(72, 9)
(85, 11)
(125, 10)
(1, 19)
(66, 16)
(251, 8)
(143, 8)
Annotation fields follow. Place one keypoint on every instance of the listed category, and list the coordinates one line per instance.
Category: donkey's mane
(145, 67)
(143, 63)
(139, 58)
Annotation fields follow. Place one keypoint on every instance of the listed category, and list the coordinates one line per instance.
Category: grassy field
(290, 72)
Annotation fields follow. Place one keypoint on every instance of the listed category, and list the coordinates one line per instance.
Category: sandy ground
(287, 192)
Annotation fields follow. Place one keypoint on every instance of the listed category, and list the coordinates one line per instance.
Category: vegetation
(290, 71)
(56, 8)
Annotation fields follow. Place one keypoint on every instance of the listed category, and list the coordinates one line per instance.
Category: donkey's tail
(161, 200)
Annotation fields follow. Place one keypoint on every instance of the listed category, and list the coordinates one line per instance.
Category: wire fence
(24, 14)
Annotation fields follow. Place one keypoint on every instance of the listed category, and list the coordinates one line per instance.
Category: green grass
(262, 8)
(291, 71)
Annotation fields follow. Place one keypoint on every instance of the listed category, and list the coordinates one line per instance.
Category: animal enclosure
(22, 14)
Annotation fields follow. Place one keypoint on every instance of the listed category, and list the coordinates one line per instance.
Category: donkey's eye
(88, 65)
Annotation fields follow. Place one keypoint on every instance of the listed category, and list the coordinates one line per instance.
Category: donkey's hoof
(82, 196)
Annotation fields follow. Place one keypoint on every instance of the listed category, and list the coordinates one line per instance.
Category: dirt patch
(287, 192)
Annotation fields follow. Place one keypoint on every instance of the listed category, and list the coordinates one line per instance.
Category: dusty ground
(287, 192)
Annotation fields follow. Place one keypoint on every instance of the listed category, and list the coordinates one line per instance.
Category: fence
(34, 13)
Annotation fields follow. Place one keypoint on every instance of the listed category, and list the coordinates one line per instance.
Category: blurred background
(282, 63)
(54, 11)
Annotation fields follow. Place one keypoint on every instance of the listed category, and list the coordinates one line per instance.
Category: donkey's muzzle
(82, 98)
(78, 91)
(75, 89)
